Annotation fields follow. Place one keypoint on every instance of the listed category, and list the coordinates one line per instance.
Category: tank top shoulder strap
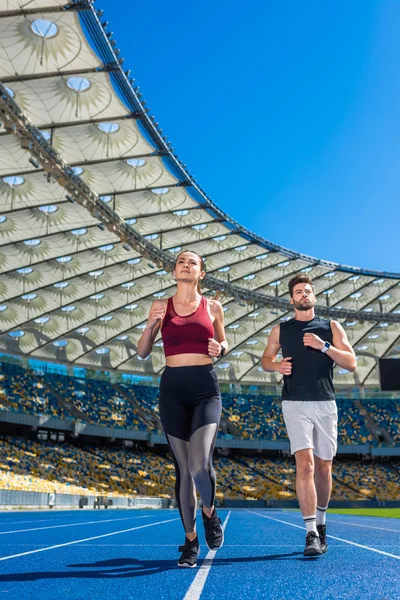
(170, 307)
(204, 304)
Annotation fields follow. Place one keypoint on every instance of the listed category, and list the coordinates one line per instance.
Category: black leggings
(190, 411)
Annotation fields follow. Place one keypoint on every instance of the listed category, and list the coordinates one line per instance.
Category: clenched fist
(214, 347)
(313, 341)
(285, 366)
(156, 315)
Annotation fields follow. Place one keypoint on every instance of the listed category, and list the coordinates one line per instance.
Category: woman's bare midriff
(188, 360)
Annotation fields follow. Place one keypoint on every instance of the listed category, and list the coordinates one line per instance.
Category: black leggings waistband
(190, 368)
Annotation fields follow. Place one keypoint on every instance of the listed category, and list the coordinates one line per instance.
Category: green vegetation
(393, 513)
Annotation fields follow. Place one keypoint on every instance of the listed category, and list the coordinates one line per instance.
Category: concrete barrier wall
(385, 451)
(17, 499)
(10, 499)
(250, 504)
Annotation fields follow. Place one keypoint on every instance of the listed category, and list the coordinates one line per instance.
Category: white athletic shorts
(312, 425)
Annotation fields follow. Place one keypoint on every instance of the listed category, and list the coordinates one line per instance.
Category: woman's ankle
(208, 511)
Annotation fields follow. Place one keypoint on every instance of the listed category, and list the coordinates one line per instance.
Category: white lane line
(330, 536)
(174, 546)
(72, 524)
(331, 512)
(96, 537)
(11, 522)
(367, 526)
(195, 590)
(62, 516)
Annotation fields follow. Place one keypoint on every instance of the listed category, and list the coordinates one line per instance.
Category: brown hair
(202, 265)
(300, 278)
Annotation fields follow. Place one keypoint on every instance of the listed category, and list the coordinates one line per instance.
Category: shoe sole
(312, 554)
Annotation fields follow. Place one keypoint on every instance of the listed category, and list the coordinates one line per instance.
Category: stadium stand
(147, 398)
(22, 392)
(352, 428)
(98, 400)
(377, 481)
(255, 416)
(386, 414)
(64, 468)
(134, 406)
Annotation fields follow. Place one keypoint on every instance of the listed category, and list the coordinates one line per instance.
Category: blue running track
(121, 554)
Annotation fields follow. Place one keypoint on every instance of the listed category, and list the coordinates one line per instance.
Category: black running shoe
(322, 538)
(190, 551)
(313, 547)
(213, 530)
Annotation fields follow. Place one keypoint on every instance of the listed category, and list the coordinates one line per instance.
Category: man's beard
(304, 305)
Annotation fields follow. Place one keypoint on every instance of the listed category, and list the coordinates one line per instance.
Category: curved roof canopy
(94, 205)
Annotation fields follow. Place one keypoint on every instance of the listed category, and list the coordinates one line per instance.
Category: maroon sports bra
(187, 335)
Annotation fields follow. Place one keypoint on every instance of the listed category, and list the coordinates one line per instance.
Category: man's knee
(305, 464)
(323, 468)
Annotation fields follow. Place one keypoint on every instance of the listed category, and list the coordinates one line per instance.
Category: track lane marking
(328, 535)
(96, 537)
(367, 526)
(196, 588)
(73, 524)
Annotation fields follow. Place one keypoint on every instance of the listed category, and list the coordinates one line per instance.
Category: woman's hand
(214, 347)
(156, 315)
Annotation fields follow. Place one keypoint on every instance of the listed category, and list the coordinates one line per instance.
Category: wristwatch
(221, 354)
(325, 347)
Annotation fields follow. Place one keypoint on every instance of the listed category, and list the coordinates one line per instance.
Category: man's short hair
(300, 278)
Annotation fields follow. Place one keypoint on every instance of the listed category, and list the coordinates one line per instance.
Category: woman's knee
(199, 469)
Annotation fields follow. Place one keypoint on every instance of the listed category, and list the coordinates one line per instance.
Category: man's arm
(268, 360)
(340, 351)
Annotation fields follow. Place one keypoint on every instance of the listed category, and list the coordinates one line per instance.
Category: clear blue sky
(287, 113)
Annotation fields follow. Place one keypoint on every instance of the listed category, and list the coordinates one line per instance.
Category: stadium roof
(94, 204)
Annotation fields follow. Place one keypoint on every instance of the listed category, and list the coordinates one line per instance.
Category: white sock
(311, 524)
(321, 515)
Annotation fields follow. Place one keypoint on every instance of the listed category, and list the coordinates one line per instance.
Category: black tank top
(312, 370)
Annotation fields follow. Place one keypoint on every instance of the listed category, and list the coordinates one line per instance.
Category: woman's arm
(216, 344)
(147, 339)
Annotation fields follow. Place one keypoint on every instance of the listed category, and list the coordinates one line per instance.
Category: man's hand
(214, 347)
(155, 316)
(313, 341)
(285, 366)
